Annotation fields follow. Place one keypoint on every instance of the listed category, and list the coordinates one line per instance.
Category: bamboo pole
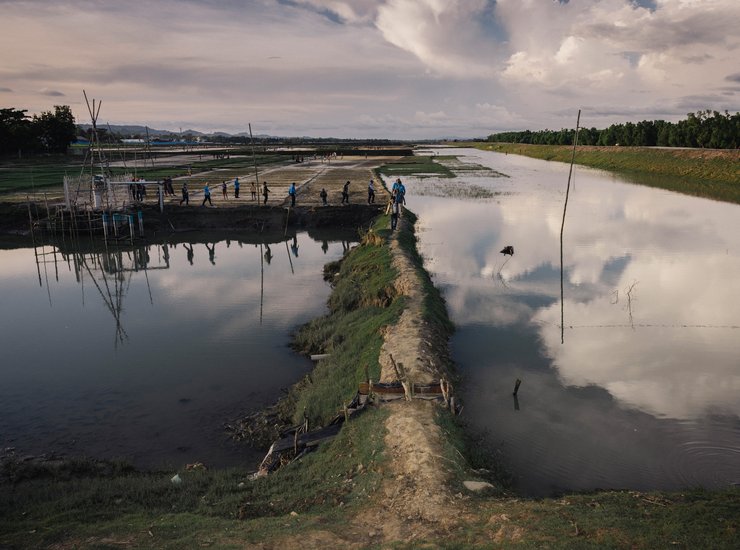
(254, 159)
(562, 227)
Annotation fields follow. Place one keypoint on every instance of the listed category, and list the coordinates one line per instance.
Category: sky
(397, 69)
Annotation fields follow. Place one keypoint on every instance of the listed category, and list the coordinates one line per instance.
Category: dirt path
(415, 500)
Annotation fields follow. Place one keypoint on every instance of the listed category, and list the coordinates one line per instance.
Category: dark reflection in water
(144, 352)
(643, 393)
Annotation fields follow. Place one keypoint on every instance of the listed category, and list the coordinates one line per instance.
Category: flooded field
(642, 391)
(143, 353)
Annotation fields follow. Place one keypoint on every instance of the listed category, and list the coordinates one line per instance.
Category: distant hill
(131, 130)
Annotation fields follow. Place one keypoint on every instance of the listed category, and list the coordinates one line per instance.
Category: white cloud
(327, 67)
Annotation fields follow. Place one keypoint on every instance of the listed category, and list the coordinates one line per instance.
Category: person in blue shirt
(399, 198)
(291, 192)
(395, 186)
(236, 188)
(207, 195)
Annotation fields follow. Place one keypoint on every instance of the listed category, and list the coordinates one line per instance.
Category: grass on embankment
(361, 304)
(713, 174)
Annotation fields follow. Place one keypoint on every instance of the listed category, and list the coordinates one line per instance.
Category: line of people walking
(398, 194)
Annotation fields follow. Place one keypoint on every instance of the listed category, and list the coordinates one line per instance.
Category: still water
(143, 353)
(644, 392)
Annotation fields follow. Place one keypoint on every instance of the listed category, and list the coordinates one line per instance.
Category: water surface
(144, 353)
(643, 392)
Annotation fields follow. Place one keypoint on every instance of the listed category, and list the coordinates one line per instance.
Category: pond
(640, 390)
(143, 353)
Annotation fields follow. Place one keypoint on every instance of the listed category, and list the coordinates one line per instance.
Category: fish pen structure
(60, 223)
(111, 193)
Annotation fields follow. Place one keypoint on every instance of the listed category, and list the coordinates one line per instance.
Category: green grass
(19, 174)
(49, 171)
(362, 303)
(417, 166)
(710, 174)
(42, 511)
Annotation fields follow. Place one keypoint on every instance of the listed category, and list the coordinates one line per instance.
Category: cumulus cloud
(565, 42)
(342, 66)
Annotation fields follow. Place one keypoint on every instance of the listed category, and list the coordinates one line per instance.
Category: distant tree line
(49, 132)
(710, 129)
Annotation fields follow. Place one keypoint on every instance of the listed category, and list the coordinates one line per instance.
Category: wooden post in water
(516, 386)
(254, 159)
(141, 223)
(562, 227)
(33, 238)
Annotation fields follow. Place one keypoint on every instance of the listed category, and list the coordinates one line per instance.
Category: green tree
(56, 130)
(16, 132)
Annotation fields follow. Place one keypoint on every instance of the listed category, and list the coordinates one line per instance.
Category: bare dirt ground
(309, 177)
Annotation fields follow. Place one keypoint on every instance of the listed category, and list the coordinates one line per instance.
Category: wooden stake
(516, 386)
(254, 159)
(401, 375)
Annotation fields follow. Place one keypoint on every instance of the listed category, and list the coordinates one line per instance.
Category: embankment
(709, 173)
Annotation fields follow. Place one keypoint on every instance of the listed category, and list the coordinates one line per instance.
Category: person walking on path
(253, 188)
(236, 188)
(323, 196)
(345, 193)
(370, 192)
(265, 191)
(401, 192)
(185, 194)
(396, 185)
(291, 192)
(399, 198)
(224, 190)
(207, 195)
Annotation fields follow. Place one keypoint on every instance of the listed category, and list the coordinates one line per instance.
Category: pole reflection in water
(198, 340)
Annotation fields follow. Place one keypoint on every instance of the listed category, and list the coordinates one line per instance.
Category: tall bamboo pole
(562, 227)
(254, 159)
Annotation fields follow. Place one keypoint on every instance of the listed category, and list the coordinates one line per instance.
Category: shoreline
(712, 174)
